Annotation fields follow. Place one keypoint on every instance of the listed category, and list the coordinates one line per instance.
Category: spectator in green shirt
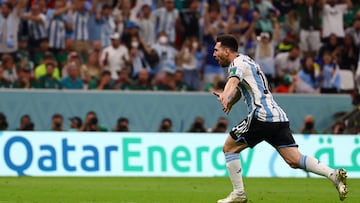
(25, 80)
(48, 81)
(3, 81)
(103, 83)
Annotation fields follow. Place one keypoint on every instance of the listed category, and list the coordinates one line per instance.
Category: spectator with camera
(3, 122)
(92, 123)
(221, 126)
(57, 122)
(26, 123)
(308, 125)
(122, 125)
(165, 125)
(198, 126)
(75, 123)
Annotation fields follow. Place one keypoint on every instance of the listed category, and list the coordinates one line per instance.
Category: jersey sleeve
(236, 70)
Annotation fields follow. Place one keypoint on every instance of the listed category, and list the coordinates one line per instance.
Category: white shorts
(310, 40)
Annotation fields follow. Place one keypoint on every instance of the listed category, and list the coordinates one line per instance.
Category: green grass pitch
(167, 190)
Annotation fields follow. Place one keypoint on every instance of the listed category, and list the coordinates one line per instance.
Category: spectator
(354, 31)
(188, 62)
(146, 25)
(348, 54)
(9, 23)
(308, 125)
(92, 68)
(142, 81)
(308, 80)
(287, 63)
(37, 22)
(292, 23)
(22, 55)
(212, 27)
(115, 56)
(338, 128)
(165, 125)
(286, 84)
(59, 25)
(25, 123)
(165, 81)
(57, 122)
(357, 78)
(9, 68)
(265, 55)
(73, 58)
(166, 52)
(101, 25)
(40, 70)
(124, 81)
(122, 125)
(3, 81)
(332, 46)
(164, 19)
(40, 51)
(3, 122)
(309, 12)
(48, 81)
(267, 12)
(72, 81)
(332, 19)
(188, 22)
(25, 80)
(91, 123)
(198, 126)
(246, 23)
(103, 83)
(139, 51)
(179, 81)
(221, 126)
(75, 123)
(330, 75)
(80, 20)
(123, 13)
(217, 85)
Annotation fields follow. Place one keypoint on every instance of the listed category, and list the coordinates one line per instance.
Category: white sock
(313, 165)
(233, 165)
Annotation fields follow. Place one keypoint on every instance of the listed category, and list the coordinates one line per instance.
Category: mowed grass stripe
(167, 190)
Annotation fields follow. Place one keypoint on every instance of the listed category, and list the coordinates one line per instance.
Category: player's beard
(224, 62)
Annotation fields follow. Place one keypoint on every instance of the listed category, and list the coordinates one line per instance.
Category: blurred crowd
(92, 123)
(303, 46)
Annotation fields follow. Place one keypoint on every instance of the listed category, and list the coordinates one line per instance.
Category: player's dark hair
(228, 41)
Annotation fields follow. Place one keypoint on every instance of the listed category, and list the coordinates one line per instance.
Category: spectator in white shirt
(333, 18)
(9, 24)
(115, 57)
(287, 63)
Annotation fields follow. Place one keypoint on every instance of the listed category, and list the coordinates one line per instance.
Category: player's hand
(224, 102)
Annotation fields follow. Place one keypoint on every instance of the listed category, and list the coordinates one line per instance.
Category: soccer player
(265, 121)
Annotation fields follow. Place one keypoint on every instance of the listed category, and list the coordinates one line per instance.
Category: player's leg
(246, 134)
(295, 159)
(233, 164)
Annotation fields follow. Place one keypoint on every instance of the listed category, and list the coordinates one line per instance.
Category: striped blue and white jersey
(254, 88)
(56, 30)
(37, 30)
(80, 22)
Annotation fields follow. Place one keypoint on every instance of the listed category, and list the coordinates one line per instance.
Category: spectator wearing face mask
(308, 125)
